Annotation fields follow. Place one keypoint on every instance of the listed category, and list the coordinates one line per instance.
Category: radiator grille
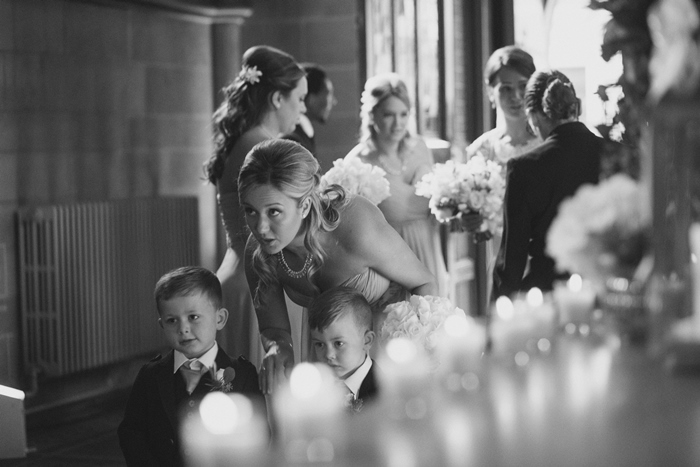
(87, 273)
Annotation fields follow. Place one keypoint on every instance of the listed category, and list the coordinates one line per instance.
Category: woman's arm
(273, 322)
(366, 235)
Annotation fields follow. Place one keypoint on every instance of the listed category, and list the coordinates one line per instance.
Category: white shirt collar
(354, 381)
(306, 125)
(207, 359)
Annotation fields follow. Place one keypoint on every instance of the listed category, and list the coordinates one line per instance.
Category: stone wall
(98, 101)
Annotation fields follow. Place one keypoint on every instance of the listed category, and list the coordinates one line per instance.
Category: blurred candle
(575, 301)
(309, 414)
(406, 379)
(519, 324)
(225, 429)
(460, 350)
(512, 326)
(461, 345)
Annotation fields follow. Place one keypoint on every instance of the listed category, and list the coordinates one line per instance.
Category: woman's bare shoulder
(360, 219)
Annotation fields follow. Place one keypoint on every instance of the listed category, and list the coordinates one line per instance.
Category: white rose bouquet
(358, 178)
(602, 230)
(418, 319)
(457, 189)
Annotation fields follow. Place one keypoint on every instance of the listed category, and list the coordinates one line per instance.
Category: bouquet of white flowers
(419, 319)
(358, 178)
(456, 189)
(602, 230)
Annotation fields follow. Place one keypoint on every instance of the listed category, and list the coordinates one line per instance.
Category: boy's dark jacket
(148, 435)
(368, 389)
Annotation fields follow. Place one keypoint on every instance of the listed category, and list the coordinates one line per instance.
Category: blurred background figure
(319, 101)
(385, 142)
(505, 75)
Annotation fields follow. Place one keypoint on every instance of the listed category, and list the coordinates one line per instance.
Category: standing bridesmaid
(263, 102)
(386, 142)
(505, 74)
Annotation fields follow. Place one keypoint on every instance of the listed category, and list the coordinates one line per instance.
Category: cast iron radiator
(86, 276)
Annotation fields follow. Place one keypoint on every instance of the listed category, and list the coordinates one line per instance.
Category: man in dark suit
(538, 181)
(189, 304)
(319, 102)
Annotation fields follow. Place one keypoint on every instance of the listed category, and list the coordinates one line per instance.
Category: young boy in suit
(189, 304)
(341, 336)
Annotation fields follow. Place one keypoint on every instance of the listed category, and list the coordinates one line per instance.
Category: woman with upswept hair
(304, 241)
(539, 180)
(385, 142)
(264, 101)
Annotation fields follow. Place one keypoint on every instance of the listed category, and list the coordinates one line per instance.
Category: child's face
(190, 323)
(342, 345)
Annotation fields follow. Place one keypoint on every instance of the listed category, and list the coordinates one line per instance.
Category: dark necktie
(192, 370)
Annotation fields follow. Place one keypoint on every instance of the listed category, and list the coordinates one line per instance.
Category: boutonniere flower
(223, 379)
(250, 74)
(352, 404)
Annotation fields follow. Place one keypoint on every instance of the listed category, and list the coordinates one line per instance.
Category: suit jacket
(536, 184)
(369, 389)
(302, 138)
(149, 432)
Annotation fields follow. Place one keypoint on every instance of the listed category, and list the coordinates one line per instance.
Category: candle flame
(504, 308)
(456, 326)
(305, 381)
(575, 283)
(401, 350)
(222, 413)
(534, 297)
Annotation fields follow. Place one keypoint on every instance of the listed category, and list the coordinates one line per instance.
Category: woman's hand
(277, 363)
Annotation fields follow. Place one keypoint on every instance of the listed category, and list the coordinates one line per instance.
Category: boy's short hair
(189, 280)
(337, 302)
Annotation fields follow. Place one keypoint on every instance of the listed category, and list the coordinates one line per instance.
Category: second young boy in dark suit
(341, 336)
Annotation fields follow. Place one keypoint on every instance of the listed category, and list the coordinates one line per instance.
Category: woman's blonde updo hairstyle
(551, 93)
(377, 89)
(290, 168)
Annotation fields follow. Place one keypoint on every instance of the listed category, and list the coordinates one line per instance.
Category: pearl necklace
(290, 272)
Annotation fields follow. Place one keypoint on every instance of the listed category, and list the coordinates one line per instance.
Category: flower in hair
(250, 74)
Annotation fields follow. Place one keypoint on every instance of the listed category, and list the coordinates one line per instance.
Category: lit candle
(224, 428)
(519, 324)
(309, 415)
(511, 327)
(575, 301)
(460, 349)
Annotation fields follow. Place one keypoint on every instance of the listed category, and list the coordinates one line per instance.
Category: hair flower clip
(250, 74)
(223, 380)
